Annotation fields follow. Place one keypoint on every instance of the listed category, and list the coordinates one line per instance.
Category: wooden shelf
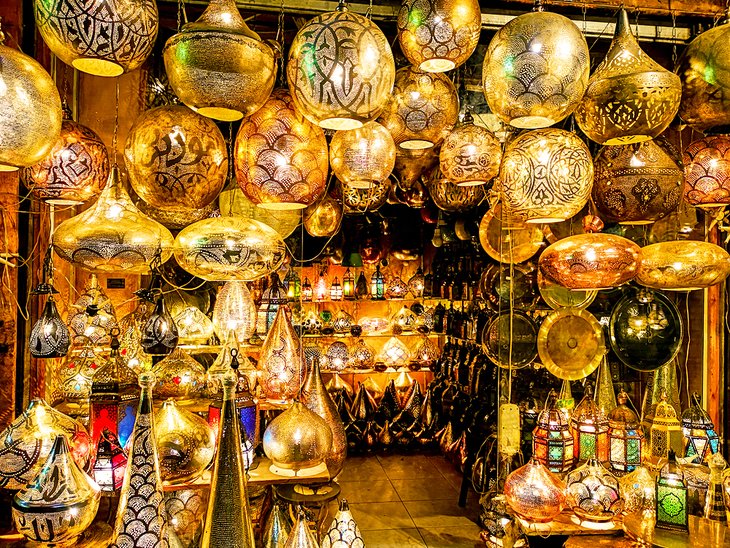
(369, 335)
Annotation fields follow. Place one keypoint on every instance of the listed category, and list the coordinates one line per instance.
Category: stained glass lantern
(159, 334)
(552, 441)
(100, 38)
(343, 322)
(397, 288)
(307, 292)
(377, 285)
(282, 369)
(364, 157)
(700, 438)
(416, 283)
(271, 300)
(470, 155)
(336, 290)
(707, 171)
(536, 69)
(625, 437)
(110, 462)
(546, 176)
(340, 69)
(49, 337)
(422, 110)
(665, 432)
(682, 265)
(589, 427)
(92, 317)
(534, 493)
(348, 285)
(337, 356)
(362, 355)
(193, 327)
(671, 496)
(178, 376)
(293, 285)
(395, 353)
(235, 310)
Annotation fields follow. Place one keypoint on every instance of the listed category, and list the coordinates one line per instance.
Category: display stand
(702, 533)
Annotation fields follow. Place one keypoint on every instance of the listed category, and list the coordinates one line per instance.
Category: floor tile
(409, 467)
(425, 489)
(369, 491)
(393, 538)
(444, 537)
(381, 515)
(440, 513)
(360, 469)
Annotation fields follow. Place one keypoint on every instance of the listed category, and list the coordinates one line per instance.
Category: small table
(702, 533)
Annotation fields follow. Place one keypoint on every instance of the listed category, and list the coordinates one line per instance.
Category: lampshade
(707, 171)
(159, 335)
(30, 108)
(363, 200)
(337, 356)
(589, 427)
(176, 159)
(705, 84)
(362, 157)
(593, 492)
(49, 336)
(234, 310)
(91, 317)
(233, 202)
(340, 69)
(282, 370)
(546, 175)
(439, 35)
(422, 109)
(682, 265)
(630, 97)
(104, 38)
(395, 353)
(625, 437)
(281, 158)
(396, 288)
(556, 296)
(74, 170)
(343, 532)
(112, 235)
(535, 70)
(534, 493)
(590, 261)
(665, 433)
(323, 218)
(638, 491)
(179, 376)
(470, 155)
(362, 355)
(193, 327)
(130, 334)
(229, 248)
(637, 183)
(73, 377)
(452, 198)
(507, 240)
(218, 66)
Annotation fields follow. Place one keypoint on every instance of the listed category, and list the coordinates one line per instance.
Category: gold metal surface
(707, 172)
(556, 296)
(324, 217)
(682, 265)
(470, 155)
(508, 241)
(362, 157)
(180, 377)
(534, 493)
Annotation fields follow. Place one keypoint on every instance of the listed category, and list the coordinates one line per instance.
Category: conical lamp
(301, 536)
(277, 528)
(282, 370)
(112, 235)
(343, 531)
(630, 97)
(363, 157)
(30, 108)
(470, 155)
(234, 310)
(218, 66)
(340, 69)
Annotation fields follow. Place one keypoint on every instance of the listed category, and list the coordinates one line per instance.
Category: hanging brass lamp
(100, 37)
(30, 110)
(218, 66)
(363, 157)
(707, 172)
(323, 218)
(340, 69)
(470, 155)
(682, 265)
(535, 69)
(630, 97)
(439, 35)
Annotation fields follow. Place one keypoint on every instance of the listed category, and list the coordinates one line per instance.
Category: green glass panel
(671, 506)
(587, 446)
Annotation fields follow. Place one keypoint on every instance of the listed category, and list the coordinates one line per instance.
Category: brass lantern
(363, 157)
(340, 69)
(682, 265)
(218, 66)
(363, 200)
(534, 493)
(701, 440)
(281, 158)
(30, 109)
(233, 202)
(630, 97)
(590, 429)
(470, 155)
(707, 171)
(637, 183)
(535, 69)
(439, 35)
(422, 109)
(323, 218)
(101, 37)
(665, 432)
(453, 198)
(671, 497)
(593, 493)
(552, 442)
(176, 159)
(626, 443)
(234, 310)
(546, 176)
(282, 367)
(112, 235)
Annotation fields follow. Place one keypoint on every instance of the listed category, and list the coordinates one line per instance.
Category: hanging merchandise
(49, 336)
(534, 493)
(30, 108)
(193, 327)
(234, 203)
(177, 219)
(180, 377)
(638, 183)
(422, 110)
(508, 240)
(343, 532)
(546, 175)
(176, 159)
(682, 265)
(535, 69)
(271, 300)
(130, 334)
(707, 175)
(323, 218)
(593, 492)
(625, 437)
(453, 198)
(218, 66)
(552, 441)
(470, 155)
(556, 296)
(589, 427)
(700, 438)
(364, 200)
(570, 343)
(235, 310)
(282, 370)
(74, 375)
(671, 497)
(364, 157)
(510, 339)
(278, 527)
(340, 69)
(630, 98)
(91, 318)
(159, 333)
(112, 235)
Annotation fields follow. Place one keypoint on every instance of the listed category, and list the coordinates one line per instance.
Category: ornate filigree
(707, 171)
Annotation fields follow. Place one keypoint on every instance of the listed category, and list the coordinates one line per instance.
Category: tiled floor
(408, 501)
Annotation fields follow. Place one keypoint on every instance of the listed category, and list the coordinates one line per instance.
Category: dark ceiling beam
(665, 8)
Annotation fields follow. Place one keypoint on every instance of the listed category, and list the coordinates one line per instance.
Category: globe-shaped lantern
(707, 172)
(470, 155)
(362, 157)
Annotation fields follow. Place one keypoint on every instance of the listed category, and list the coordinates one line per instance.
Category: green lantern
(671, 497)
(377, 285)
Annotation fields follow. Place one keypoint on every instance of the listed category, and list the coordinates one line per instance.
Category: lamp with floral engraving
(700, 438)
(110, 462)
(589, 427)
(552, 441)
(682, 265)
(91, 317)
(470, 155)
(638, 490)
(665, 432)
(671, 496)
(282, 369)
(534, 493)
(707, 171)
(235, 310)
(364, 157)
(626, 443)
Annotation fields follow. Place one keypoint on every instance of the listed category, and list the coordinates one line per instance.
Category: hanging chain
(116, 120)
(182, 17)
(674, 39)
(369, 13)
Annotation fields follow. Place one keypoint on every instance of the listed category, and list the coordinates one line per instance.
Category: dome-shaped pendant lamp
(281, 158)
(100, 37)
(363, 157)
(30, 110)
(535, 69)
(470, 155)
(113, 235)
(630, 97)
(707, 172)
(218, 66)
(340, 69)
(439, 35)
(682, 265)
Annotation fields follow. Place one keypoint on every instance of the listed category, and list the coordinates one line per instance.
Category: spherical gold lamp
(439, 35)
(630, 97)
(546, 176)
(176, 158)
(470, 155)
(682, 265)
(452, 198)
(30, 109)
(422, 109)
(112, 235)
(323, 218)
(100, 37)
(362, 200)
(340, 69)
(707, 172)
(637, 183)
(233, 202)
(535, 70)
(281, 158)
(362, 157)
(218, 66)
(506, 240)
(590, 261)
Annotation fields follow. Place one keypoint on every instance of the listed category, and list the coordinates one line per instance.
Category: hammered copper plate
(571, 343)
